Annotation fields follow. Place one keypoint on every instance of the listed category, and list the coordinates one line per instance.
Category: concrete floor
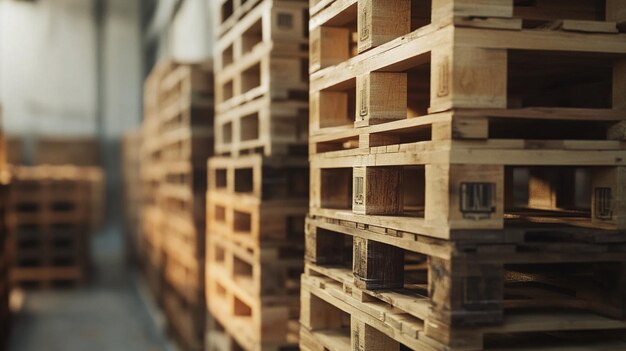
(106, 315)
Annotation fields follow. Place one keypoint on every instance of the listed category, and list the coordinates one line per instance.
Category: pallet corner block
(465, 196)
(381, 97)
(380, 21)
(377, 190)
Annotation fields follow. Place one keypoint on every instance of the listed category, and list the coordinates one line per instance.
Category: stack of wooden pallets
(258, 183)
(468, 176)
(151, 175)
(50, 223)
(186, 142)
(177, 141)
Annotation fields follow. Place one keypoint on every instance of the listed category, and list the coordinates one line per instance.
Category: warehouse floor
(106, 315)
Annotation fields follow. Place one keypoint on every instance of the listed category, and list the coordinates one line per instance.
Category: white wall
(123, 88)
(47, 67)
(48, 72)
(187, 35)
(190, 32)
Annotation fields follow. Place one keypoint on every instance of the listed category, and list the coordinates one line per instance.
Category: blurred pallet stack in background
(67, 150)
(186, 134)
(50, 218)
(84, 151)
(177, 141)
(468, 178)
(257, 196)
(151, 175)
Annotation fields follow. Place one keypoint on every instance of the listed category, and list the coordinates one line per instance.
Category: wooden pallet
(260, 75)
(183, 126)
(425, 187)
(46, 214)
(278, 26)
(263, 126)
(260, 83)
(414, 78)
(258, 177)
(449, 285)
(183, 89)
(538, 125)
(49, 215)
(50, 239)
(271, 270)
(180, 191)
(343, 29)
(257, 322)
(48, 255)
(428, 71)
(44, 201)
(230, 11)
(257, 200)
(218, 339)
(192, 144)
(336, 319)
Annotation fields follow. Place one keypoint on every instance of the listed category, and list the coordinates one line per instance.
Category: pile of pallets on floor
(258, 183)
(468, 176)
(49, 219)
(178, 140)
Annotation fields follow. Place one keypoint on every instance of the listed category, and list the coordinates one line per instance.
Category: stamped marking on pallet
(364, 33)
(603, 203)
(477, 200)
(358, 191)
(285, 21)
(444, 77)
